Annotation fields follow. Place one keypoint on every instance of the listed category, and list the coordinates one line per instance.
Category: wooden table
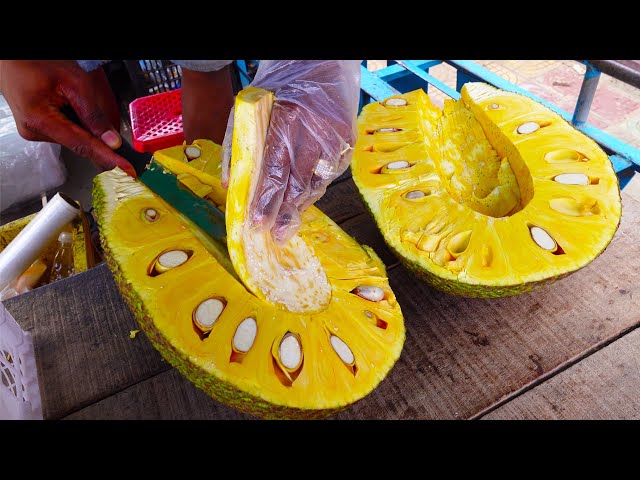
(570, 350)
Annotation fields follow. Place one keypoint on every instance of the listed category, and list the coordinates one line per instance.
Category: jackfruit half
(313, 328)
(492, 196)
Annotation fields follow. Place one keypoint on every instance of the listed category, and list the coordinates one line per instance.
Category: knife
(166, 185)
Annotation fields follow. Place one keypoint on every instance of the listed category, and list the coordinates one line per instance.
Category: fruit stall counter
(568, 350)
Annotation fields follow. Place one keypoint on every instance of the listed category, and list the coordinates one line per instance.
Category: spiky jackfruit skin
(324, 386)
(486, 182)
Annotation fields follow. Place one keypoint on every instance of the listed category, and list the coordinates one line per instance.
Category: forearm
(207, 98)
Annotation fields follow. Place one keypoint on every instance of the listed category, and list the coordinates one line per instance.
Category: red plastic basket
(156, 121)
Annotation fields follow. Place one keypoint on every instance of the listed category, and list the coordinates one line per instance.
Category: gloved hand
(37, 91)
(310, 140)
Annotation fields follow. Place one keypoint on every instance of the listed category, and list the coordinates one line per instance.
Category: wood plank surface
(167, 396)
(345, 175)
(361, 229)
(80, 329)
(341, 201)
(461, 356)
(603, 386)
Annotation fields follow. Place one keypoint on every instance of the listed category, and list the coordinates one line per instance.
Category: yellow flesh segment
(471, 169)
(288, 275)
(482, 176)
(202, 173)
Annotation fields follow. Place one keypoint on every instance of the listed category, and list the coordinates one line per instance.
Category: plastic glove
(37, 91)
(310, 139)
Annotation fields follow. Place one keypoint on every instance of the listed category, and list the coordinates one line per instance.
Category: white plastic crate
(19, 389)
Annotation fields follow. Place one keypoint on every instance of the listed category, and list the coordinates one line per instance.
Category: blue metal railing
(405, 75)
(244, 76)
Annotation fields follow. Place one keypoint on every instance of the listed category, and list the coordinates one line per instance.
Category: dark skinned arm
(207, 98)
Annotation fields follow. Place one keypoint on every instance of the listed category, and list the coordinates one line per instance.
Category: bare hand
(37, 90)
